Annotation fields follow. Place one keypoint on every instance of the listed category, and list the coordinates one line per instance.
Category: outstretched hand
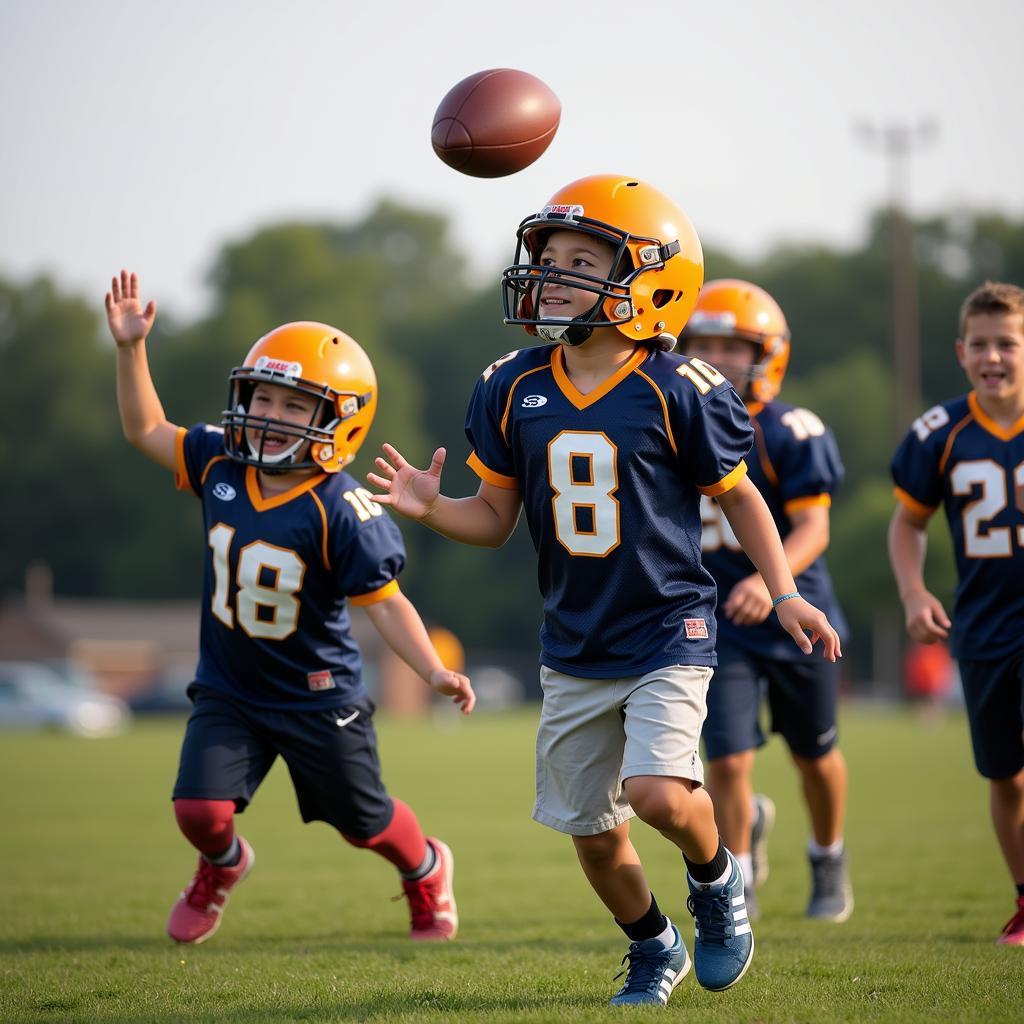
(411, 492)
(797, 616)
(454, 685)
(129, 323)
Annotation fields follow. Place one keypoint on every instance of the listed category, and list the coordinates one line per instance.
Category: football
(495, 123)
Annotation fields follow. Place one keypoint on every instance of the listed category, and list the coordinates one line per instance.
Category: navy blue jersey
(957, 456)
(611, 483)
(279, 574)
(797, 465)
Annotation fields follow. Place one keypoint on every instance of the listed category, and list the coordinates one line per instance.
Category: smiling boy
(968, 455)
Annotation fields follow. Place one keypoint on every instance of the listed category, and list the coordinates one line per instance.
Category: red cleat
(196, 915)
(431, 899)
(1013, 932)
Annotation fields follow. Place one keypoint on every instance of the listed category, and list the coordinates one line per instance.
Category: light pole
(897, 142)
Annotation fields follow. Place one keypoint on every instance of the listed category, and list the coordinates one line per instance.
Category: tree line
(108, 523)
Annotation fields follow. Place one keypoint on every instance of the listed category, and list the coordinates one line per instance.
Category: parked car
(33, 696)
(165, 694)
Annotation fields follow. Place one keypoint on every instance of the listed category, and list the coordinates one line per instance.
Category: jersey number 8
(583, 474)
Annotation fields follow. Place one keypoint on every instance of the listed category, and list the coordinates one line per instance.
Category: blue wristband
(784, 597)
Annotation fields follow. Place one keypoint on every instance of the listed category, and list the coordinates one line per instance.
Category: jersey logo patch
(224, 491)
(534, 401)
(696, 629)
(321, 680)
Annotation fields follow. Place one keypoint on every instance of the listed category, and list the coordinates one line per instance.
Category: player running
(967, 454)
(607, 441)
(291, 541)
(740, 329)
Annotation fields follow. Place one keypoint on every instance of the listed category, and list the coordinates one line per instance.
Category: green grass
(90, 861)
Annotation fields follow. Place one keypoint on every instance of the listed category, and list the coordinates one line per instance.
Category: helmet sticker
(278, 366)
(562, 211)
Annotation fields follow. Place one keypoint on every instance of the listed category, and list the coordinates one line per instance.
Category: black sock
(1020, 891)
(228, 857)
(651, 924)
(429, 861)
(713, 870)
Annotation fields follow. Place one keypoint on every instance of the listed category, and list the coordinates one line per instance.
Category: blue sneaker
(653, 972)
(723, 944)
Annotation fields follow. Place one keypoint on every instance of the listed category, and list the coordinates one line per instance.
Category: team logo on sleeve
(534, 401)
(224, 491)
(321, 680)
(696, 629)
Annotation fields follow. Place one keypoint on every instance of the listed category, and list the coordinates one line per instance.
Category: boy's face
(273, 402)
(991, 353)
(732, 356)
(573, 250)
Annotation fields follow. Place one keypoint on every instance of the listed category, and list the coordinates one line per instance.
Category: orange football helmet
(317, 360)
(656, 272)
(730, 308)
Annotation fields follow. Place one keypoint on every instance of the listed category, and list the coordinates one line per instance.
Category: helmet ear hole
(662, 297)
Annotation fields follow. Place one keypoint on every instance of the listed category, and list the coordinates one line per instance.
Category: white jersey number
(268, 577)
(584, 476)
(716, 529)
(979, 542)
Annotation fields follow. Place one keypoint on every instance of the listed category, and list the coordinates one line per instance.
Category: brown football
(495, 122)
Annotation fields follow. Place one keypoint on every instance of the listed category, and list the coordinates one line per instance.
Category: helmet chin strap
(573, 332)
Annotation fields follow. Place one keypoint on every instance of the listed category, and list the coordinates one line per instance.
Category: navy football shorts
(802, 697)
(331, 755)
(994, 695)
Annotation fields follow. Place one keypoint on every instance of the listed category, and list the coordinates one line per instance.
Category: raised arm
(752, 522)
(487, 518)
(926, 619)
(142, 416)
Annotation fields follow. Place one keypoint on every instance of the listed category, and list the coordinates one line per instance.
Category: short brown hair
(992, 297)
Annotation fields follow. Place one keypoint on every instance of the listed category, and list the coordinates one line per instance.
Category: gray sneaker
(764, 821)
(831, 892)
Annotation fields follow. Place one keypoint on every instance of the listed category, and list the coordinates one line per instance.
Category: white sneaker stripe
(739, 915)
(743, 929)
(737, 901)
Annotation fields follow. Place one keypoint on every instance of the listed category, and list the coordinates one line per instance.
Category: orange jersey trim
(577, 398)
(727, 483)
(323, 519)
(664, 410)
(811, 501)
(181, 480)
(511, 395)
(262, 504)
(912, 504)
(509, 483)
(762, 452)
(989, 424)
(949, 441)
(375, 596)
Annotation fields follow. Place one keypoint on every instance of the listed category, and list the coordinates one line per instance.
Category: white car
(33, 696)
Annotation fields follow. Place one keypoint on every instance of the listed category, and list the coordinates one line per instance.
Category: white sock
(668, 937)
(817, 851)
(747, 867)
(720, 880)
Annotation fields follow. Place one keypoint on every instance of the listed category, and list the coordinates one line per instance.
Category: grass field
(90, 861)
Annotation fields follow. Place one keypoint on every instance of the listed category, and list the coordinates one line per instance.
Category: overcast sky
(147, 134)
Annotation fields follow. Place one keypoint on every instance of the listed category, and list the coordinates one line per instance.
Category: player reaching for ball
(740, 329)
(968, 455)
(607, 441)
(291, 541)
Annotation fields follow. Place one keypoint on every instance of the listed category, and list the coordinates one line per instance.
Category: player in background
(292, 541)
(607, 441)
(967, 454)
(740, 329)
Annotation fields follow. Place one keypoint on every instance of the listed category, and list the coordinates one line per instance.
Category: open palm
(129, 321)
(411, 492)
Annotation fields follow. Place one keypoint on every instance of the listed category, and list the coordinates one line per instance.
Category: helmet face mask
(656, 269)
(315, 360)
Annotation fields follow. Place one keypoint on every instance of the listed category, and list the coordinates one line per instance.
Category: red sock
(209, 825)
(402, 842)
